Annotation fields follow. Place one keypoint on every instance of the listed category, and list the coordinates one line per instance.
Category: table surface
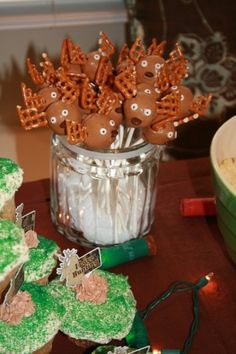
(188, 248)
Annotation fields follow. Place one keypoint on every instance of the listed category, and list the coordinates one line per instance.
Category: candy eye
(158, 66)
(134, 106)
(148, 91)
(53, 94)
(65, 112)
(170, 135)
(144, 63)
(157, 90)
(147, 112)
(103, 131)
(181, 97)
(112, 122)
(53, 120)
(96, 56)
(174, 88)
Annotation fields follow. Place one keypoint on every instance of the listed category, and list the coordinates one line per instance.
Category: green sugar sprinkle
(99, 323)
(12, 246)
(42, 259)
(11, 176)
(7, 167)
(36, 330)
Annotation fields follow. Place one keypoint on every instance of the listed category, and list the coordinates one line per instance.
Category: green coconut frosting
(99, 323)
(13, 249)
(42, 260)
(11, 177)
(36, 330)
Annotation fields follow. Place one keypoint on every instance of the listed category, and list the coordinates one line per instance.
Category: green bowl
(223, 146)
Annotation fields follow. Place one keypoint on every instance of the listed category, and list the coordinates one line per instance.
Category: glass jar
(101, 198)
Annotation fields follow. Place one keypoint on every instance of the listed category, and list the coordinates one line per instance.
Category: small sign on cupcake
(72, 267)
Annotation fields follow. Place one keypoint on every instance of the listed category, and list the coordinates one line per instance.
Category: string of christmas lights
(138, 335)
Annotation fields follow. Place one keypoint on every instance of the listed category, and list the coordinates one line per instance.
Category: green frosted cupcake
(11, 177)
(35, 332)
(87, 322)
(13, 251)
(42, 260)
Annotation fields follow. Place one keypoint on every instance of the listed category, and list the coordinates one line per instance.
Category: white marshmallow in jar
(100, 197)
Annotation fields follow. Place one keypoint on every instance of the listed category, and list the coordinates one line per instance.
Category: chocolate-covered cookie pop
(50, 95)
(58, 112)
(161, 135)
(148, 68)
(140, 110)
(186, 100)
(101, 131)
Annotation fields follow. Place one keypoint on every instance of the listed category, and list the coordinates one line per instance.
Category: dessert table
(187, 249)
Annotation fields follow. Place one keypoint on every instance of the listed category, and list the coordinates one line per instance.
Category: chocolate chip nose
(63, 126)
(149, 74)
(136, 121)
(114, 133)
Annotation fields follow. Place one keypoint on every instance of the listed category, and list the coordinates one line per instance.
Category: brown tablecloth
(188, 248)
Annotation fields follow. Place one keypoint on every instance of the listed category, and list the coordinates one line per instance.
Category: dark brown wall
(182, 17)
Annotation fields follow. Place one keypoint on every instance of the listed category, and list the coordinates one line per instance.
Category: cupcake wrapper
(82, 343)
(8, 210)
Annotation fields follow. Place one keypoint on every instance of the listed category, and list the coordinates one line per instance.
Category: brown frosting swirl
(92, 288)
(20, 306)
(31, 239)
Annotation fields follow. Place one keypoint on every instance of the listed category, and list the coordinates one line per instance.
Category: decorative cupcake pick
(72, 267)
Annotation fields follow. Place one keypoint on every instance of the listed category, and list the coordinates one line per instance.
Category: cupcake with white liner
(101, 308)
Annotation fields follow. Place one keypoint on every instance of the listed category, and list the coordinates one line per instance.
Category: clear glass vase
(102, 198)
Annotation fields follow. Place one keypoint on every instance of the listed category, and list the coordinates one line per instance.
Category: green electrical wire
(178, 287)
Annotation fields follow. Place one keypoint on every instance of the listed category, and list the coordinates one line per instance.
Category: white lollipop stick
(129, 137)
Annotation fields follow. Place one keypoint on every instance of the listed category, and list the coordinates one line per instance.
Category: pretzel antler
(32, 100)
(169, 105)
(162, 82)
(123, 54)
(125, 82)
(103, 71)
(106, 100)
(76, 133)
(49, 72)
(176, 66)
(88, 96)
(105, 45)
(137, 50)
(31, 118)
(68, 88)
(35, 75)
(200, 104)
(156, 49)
